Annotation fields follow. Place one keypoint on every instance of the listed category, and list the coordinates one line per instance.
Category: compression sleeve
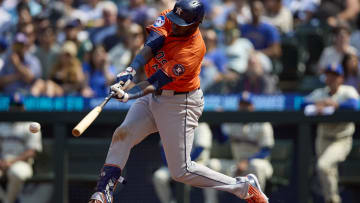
(349, 104)
(159, 79)
(155, 41)
(138, 62)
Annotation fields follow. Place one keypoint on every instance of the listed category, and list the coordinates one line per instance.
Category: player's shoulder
(164, 12)
(349, 90)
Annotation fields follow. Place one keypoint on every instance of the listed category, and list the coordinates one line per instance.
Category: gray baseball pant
(175, 118)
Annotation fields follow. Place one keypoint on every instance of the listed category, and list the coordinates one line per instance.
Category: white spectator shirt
(283, 20)
(238, 54)
(334, 130)
(331, 56)
(15, 139)
(248, 139)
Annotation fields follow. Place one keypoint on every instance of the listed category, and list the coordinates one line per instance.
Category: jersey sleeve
(352, 93)
(267, 136)
(162, 24)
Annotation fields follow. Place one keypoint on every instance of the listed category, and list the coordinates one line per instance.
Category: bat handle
(107, 99)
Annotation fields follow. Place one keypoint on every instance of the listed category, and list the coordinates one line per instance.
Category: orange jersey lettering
(180, 57)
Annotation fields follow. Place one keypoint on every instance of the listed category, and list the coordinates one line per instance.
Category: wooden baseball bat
(93, 114)
(90, 117)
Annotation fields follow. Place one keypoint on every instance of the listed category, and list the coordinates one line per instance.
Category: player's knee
(323, 167)
(19, 172)
(182, 174)
(161, 177)
(16, 176)
(179, 178)
(214, 164)
(120, 133)
(179, 175)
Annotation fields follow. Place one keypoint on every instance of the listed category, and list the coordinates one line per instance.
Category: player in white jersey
(18, 147)
(334, 140)
(251, 144)
(199, 153)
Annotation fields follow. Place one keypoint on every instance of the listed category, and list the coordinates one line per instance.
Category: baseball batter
(251, 144)
(334, 140)
(169, 102)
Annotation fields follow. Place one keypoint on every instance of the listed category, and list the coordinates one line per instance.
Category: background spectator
(74, 31)
(255, 79)
(21, 68)
(350, 63)
(121, 55)
(264, 36)
(278, 15)
(108, 24)
(333, 12)
(302, 10)
(66, 76)
(141, 13)
(123, 23)
(341, 45)
(214, 62)
(47, 51)
(99, 73)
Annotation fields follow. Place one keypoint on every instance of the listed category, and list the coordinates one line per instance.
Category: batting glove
(119, 94)
(126, 75)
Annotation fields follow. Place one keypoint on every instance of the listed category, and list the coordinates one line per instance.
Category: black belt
(159, 92)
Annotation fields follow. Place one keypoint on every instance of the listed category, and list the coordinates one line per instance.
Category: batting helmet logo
(160, 21)
(178, 69)
(178, 10)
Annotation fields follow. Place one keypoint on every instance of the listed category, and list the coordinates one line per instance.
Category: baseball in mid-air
(34, 127)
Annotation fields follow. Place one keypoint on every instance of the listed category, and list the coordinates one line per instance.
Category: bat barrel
(86, 121)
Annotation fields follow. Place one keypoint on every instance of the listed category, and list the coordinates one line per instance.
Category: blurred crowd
(76, 47)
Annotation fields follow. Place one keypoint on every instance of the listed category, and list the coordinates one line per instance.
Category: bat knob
(76, 132)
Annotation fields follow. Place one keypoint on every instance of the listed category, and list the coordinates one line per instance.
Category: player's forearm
(30, 153)
(141, 89)
(25, 73)
(142, 58)
(273, 51)
(351, 11)
(4, 80)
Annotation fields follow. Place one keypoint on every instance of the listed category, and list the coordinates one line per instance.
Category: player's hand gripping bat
(93, 114)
